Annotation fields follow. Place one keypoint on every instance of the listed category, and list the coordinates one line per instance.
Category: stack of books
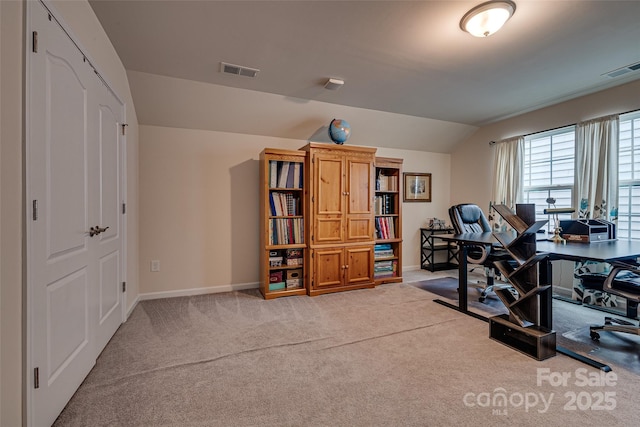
(384, 269)
(384, 266)
(382, 251)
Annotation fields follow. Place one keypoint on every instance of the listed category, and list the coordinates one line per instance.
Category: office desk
(597, 251)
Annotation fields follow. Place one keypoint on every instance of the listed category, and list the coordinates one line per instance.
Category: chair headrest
(470, 213)
(469, 218)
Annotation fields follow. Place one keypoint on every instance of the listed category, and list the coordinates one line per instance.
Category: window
(629, 176)
(548, 170)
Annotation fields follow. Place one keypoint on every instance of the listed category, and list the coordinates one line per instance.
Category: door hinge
(124, 127)
(124, 208)
(124, 286)
(34, 42)
(34, 210)
(36, 378)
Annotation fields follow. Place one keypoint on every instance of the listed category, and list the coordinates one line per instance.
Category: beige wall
(82, 23)
(199, 199)
(472, 160)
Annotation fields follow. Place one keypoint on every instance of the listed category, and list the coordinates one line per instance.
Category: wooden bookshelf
(388, 220)
(283, 250)
(521, 329)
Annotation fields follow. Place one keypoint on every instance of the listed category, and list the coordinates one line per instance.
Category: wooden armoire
(340, 217)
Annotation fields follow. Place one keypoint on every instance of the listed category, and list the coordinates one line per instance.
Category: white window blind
(548, 169)
(629, 176)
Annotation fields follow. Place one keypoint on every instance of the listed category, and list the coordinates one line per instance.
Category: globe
(339, 131)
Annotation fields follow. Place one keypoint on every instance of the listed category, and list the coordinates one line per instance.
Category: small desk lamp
(555, 211)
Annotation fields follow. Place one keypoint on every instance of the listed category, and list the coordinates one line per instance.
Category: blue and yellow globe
(339, 131)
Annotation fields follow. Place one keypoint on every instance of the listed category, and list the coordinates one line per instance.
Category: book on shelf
(297, 175)
(273, 173)
(290, 174)
(284, 171)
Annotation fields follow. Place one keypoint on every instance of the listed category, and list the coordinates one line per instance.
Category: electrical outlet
(155, 265)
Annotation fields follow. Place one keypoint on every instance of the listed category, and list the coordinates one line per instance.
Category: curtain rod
(491, 143)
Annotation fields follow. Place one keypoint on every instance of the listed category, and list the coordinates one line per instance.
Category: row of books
(283, 174)
(385, 228)
(384, 204)
(384, 269)
(284, 204)
(386, 183)
(382, 251)
(286, 231)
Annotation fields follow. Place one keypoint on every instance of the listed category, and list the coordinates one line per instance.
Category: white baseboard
(196, 291)
(411, 268)
(133, 305)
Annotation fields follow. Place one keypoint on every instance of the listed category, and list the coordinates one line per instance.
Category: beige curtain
(507, 181)
(507, 178)
(595, 194)
(596, 180)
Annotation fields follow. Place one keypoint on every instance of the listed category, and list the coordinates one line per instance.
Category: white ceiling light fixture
(487, 18)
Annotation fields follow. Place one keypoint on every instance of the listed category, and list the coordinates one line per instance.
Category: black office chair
(624, 281)
(469, 218)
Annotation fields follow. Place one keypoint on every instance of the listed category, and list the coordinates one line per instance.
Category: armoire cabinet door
(329, 199)
(342, 266)
(328, 268)
(359, 265)
(359, 192)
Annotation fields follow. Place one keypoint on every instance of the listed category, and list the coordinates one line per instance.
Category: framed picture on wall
(417, 187)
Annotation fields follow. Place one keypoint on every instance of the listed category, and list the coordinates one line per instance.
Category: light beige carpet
(388, 356)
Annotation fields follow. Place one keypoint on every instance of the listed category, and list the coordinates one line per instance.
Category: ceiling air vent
(624, 70)
(238, 70)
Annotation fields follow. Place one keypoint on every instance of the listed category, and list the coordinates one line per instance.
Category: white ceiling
(402, 57)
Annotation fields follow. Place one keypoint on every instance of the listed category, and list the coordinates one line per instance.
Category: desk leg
(462, 286)
(463, 283)
(546, 300)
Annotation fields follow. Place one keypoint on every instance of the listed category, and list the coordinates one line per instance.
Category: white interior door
(74, 302)
(109, 242)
